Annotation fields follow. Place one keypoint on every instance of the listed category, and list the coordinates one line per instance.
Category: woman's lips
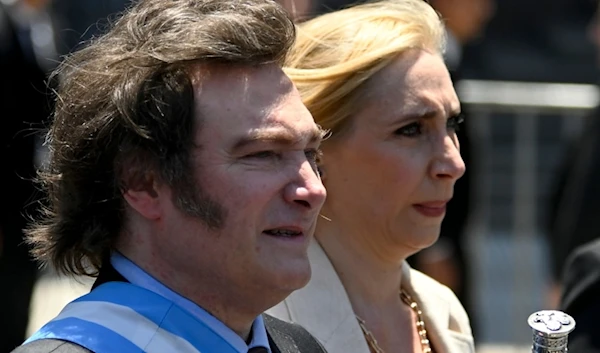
(431, 209)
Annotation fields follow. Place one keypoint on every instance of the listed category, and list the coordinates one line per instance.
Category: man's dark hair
(125, 111)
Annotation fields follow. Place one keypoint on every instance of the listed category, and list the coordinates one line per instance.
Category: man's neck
(204, 293)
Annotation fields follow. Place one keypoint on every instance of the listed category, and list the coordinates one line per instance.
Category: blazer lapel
(323, 307)
(442, 332)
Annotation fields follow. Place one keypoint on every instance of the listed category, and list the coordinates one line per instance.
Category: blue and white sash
(119, 317)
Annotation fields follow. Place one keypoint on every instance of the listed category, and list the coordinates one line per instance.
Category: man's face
(255, 153)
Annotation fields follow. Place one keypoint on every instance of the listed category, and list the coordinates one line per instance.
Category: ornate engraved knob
(551, 330)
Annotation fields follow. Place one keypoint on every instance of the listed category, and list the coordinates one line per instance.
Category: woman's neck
(370, 272)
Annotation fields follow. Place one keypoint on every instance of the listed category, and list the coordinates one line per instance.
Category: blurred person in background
(374, 76)
(26, 52)
(525, 41)
(574, 208)
(465, 22)
(581, 296)
(575, 232)
(81, 20)
(299, 9)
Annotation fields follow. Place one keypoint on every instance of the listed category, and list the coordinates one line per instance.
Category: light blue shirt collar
(141, 278)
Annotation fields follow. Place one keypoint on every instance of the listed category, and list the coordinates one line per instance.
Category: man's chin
(293, 278)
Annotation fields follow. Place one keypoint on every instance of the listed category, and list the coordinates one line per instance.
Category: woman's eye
(455, 121)
(410, 130)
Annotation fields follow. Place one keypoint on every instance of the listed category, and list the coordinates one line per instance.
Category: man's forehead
(237, 75)
(254, 91)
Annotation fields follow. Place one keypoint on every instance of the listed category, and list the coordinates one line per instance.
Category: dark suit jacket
(573, 219)
(581, 297)
(283, 337)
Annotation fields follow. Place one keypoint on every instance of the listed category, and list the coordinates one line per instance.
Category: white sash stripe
(129, 324)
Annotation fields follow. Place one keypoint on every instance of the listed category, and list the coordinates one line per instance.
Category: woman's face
(392, 173)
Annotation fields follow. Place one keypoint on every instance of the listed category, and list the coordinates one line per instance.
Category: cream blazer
(323, 308)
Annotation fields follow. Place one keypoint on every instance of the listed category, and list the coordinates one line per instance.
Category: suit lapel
(272, 344)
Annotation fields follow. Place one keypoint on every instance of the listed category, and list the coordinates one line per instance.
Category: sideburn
(193, 201)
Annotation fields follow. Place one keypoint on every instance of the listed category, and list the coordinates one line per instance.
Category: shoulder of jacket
(281, 311)
(303, 340)
(50, 346)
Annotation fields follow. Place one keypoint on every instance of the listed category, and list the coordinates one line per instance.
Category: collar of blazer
(323, 308)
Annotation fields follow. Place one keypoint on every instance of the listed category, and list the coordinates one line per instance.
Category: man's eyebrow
(279, 136)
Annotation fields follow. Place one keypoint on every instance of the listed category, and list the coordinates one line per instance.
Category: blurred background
(526, 72)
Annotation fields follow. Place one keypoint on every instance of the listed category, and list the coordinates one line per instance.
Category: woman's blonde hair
(336, 53)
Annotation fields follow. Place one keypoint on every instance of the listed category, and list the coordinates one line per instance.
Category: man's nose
(307, 189)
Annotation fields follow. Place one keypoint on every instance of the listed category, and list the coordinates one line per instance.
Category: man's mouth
(283, 232)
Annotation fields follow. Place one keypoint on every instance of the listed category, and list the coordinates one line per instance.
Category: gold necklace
(406, 298)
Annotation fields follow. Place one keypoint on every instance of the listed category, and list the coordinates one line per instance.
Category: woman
(373, 74)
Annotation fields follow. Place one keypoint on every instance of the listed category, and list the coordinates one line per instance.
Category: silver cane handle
(551, 330)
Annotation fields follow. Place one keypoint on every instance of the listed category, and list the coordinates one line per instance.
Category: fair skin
(594, 32)
(400, 159)
(299, 9)
(466, 19)
(255, 157)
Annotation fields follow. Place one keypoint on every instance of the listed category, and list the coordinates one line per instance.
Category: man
(183, 173)
(575, 233)
(465, 23)
(573, 219)
(581, 285)
(300, 10)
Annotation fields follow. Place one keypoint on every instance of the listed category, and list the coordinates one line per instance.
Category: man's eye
(263, 155)
(410, 130)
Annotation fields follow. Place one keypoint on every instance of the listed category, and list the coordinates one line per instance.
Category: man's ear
(143, 196)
